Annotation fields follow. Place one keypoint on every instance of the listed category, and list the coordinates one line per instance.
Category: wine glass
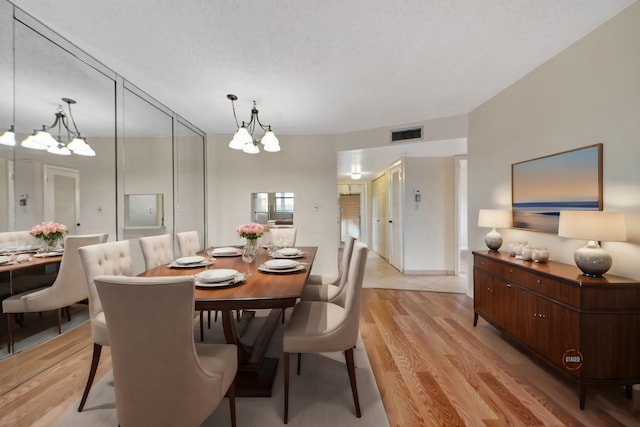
(212, 259)
(248, 256)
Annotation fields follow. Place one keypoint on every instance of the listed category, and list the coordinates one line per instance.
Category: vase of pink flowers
(251, 232)
(49, 232)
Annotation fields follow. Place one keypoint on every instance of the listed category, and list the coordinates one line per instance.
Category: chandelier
(8, 138)
(244, 140)
(43, 140)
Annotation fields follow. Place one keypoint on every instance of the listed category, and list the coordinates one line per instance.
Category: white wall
(589, 93)
(306, 166)
(429, 225)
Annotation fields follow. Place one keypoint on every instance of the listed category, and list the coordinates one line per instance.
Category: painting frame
(541, 187)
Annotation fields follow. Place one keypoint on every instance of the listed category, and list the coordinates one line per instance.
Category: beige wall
(589, 93)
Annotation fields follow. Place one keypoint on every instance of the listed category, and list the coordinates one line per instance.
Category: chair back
(188, 243)
(156, 250)
(113, 258)
(343, 269)
(283, 236)
(70, 284)
(157, 376)
(353, 289)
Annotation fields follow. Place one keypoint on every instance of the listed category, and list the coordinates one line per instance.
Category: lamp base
(593, 260)
(493, 240)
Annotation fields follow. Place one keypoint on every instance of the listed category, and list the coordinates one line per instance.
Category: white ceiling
(319, 67)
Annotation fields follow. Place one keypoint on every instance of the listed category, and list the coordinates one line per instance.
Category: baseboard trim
(429, 272)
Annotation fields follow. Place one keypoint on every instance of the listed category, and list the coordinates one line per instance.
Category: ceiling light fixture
(42, 139)
(356, 175)
(8, 138)
(244, 140)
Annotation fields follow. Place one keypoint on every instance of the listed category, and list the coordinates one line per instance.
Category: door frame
(49, 173)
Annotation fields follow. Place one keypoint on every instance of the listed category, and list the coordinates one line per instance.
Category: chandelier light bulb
(272, 148)
(76, 143)
(269, 138)
(43, 137)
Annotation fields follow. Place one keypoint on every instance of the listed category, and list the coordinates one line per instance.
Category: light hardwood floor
(433, 368)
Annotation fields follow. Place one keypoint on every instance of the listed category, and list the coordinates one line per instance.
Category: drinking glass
(210, 252)
(248, 256)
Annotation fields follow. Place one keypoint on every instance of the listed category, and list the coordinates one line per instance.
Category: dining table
(271, 290)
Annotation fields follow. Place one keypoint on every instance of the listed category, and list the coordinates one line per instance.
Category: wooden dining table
(273, 291)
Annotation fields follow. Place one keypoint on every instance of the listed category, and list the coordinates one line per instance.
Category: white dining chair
(156, 250)
(188, 243)
(283, 237)
(113, 258)
(320, 287)
(161, 377)
(321, 326)
(67, 289)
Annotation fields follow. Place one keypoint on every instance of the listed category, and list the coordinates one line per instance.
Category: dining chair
(321, 326)
(67, 289)
(188, 243)
(161, 377)
(113, 258)
(156, 250)
(283, 237)
(320, 287)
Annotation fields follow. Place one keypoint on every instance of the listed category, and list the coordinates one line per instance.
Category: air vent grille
(406, 134)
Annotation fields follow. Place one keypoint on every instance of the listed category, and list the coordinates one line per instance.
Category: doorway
(62, 196)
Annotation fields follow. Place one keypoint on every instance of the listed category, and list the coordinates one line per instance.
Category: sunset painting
(542, 187)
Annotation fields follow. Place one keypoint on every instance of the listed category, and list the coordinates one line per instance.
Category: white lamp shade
(43, 137)
(84, 150)
(76, 144)
(593, 225)
(236, 144)
(494, 218)
(60, 150)
(243, 136)
(269, 138)
(31, 142)
(272, 148)
(8, 138)
(251, 148)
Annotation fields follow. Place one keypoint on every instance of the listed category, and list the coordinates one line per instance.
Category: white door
(395, 216)
(62, 196)
(379, 216)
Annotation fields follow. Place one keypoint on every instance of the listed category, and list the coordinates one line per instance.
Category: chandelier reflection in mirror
(43, 140)
(244, 140)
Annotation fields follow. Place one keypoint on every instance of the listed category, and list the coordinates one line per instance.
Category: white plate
(4, 259)
(205, 263)
(227, 251)
(295, 268)
(279, 264)
(288, 251)
(190, 260)
(217, 275)
(47, 254)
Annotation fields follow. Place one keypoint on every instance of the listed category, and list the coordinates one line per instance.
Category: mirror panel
(7, 208)
(272, 208)
(144, 210)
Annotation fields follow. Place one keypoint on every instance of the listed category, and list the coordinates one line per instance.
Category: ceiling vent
(400, 135)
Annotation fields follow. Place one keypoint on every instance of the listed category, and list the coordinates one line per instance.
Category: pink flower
(250, 230)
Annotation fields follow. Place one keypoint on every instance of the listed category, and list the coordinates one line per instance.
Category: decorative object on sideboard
(517, 249)
(244, 140)
(540, 255)
(593, 226)
(43, 140)
(494, 218)
(527, 253)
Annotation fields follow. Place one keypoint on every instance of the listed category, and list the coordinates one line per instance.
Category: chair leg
(286, 387)
(68, 313)
(59, 321)
(299, 362)
(97, 349)
(208, 319)
(231, 394)
(10, 327)
(351, 367)
(201, 326)
(215, 316)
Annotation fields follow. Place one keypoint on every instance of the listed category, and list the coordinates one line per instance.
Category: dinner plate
(277, 254)
(294, 269)
(217, 275)
(47, 254)
(227, 251)
(174, 264)
(190, 260)
(279, 264)
(288, 251)
(236, 280)
(4, 259)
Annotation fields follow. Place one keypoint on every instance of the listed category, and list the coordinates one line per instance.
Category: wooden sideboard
(586, 328)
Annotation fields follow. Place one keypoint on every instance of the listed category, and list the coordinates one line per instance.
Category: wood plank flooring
(433, 368)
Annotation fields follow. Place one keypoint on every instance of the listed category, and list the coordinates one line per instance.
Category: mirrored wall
(141, 148)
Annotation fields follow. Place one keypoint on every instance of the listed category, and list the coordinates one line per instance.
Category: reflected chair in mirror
(68, 288)
(188, 243)
(112, 258)
(321, 287)
(161, 377)
(320, 327)
(156, 250)
(283, 237)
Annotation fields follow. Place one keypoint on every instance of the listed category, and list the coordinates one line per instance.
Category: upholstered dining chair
(67, 289)
(320, 287)
(320, 326)
(161, 377)
(188, 243)
(156, 250)
(285, 236)
(113, 258)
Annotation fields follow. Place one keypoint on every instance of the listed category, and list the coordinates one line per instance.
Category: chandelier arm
(77, 132)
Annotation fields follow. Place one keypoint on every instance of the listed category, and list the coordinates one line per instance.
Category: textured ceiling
(329, 66)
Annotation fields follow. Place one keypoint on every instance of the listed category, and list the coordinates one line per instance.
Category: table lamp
(494, 218)
(593, 226)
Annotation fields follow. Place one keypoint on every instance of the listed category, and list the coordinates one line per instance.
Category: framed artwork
(540, 188)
